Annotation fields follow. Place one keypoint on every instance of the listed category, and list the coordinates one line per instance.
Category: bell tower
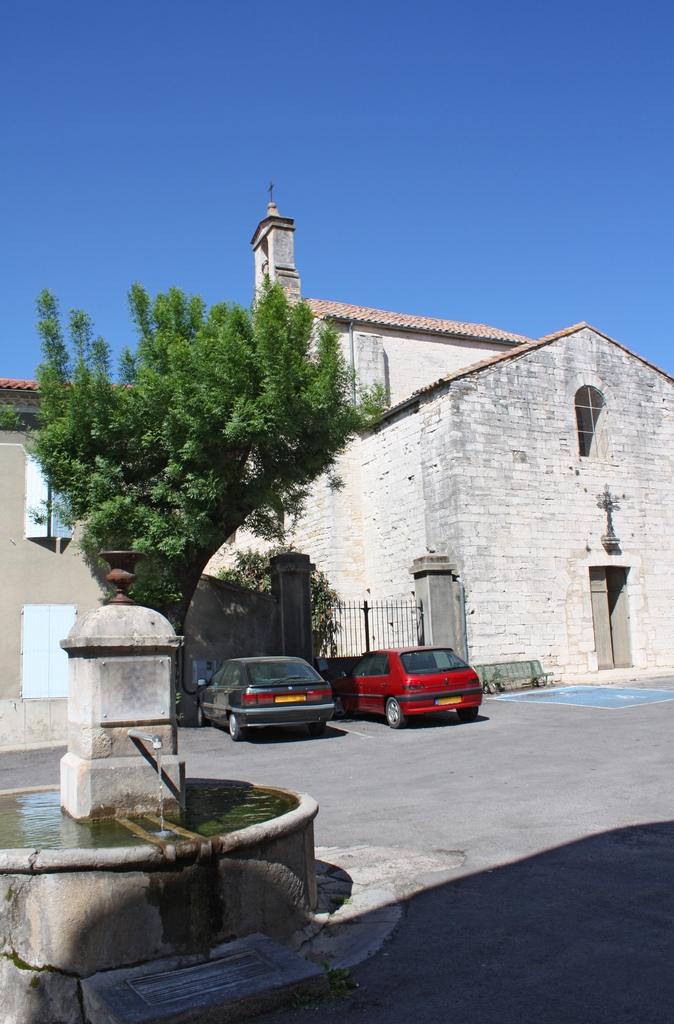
(274, 249)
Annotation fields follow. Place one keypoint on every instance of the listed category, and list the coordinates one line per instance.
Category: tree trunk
(188, 580)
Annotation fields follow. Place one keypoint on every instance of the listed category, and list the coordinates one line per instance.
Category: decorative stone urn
(121, 677)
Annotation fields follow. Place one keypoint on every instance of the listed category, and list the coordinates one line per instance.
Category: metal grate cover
(211, 978)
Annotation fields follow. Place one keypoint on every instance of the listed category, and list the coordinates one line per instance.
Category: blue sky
(504, 163)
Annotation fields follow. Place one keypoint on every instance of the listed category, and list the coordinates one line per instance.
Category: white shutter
(45, 663)
(61, 620)
(37, 494)
(37, 500)
(58, 528)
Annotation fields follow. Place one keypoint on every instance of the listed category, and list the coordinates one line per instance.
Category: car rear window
(444, 659)
(277, 672)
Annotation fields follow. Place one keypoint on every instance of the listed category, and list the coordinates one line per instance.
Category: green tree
(10, 418)
(251, 570)
(220, 417)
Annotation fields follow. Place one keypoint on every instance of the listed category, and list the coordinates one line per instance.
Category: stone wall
(332, 528)
(486, 470)
(226, 621)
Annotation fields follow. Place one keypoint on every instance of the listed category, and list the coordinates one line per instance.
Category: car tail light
(413, 684)
(257, 698)
(319, 696)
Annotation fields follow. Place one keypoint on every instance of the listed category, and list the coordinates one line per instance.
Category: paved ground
(542, 836)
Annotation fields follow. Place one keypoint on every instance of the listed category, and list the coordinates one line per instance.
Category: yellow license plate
(448, 700)
(290, 698)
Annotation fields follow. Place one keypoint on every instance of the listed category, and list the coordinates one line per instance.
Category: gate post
(291, 586)
(439, 591)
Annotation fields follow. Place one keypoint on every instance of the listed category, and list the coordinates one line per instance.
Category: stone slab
(234, 981)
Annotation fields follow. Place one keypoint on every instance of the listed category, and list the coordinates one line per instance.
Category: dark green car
(249, 693)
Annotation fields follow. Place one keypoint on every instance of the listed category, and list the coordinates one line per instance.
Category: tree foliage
(251, 570)
(220, 417)
(10, 419)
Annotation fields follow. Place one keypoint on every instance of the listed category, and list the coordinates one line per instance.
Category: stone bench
(511, 675)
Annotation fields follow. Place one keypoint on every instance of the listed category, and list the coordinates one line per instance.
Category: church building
(535, 476)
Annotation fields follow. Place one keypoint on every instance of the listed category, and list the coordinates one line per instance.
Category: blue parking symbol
(611, 697)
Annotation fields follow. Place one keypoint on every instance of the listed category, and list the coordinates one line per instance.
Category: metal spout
(138, 734)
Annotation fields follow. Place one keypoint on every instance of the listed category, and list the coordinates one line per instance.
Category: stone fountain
(136, 865)
(121, 683)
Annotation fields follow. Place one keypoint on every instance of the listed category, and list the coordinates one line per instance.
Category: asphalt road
(562, 911)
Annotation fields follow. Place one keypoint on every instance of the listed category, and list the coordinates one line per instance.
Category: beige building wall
(40, 571)
(408, 360)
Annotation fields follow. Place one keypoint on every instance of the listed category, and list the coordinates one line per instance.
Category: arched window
(591, 418)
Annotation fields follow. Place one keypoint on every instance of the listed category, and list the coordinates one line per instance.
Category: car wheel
(339, 711)
(201, 717)
(394, 714)
(316, 728)
(236, 731)
(467, 714)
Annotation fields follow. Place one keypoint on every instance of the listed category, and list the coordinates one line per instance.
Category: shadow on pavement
(436, 720)
(290, 734)
(581, 934)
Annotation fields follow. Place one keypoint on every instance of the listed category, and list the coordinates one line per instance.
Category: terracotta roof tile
(10, 384)
(324, 309)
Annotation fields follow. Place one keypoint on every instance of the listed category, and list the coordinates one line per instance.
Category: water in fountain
(36, 820)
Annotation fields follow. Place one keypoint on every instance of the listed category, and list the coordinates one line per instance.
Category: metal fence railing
(366, 626)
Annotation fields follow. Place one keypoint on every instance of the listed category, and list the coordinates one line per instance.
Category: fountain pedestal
(121, 675)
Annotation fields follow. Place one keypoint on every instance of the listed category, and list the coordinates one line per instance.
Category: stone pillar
(291, 586)
(439, 592)
(121, 674)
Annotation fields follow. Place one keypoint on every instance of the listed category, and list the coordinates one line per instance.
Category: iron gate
(370, 626)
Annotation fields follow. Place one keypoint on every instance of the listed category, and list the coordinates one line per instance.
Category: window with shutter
(41, 502)
(37, 498)
(45, 663)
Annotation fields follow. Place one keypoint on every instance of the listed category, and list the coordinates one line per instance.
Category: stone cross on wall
(607, 502)
(609, 505)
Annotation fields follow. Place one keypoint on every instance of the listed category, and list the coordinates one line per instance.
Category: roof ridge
(17, 384)
(457, 328)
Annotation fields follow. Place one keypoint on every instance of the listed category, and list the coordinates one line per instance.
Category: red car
(410, 681)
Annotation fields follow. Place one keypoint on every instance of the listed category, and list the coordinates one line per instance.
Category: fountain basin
(67, 913)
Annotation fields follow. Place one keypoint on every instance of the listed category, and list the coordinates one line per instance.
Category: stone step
(234, 981)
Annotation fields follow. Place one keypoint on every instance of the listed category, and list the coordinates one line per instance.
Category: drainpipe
(462, 617)
(352, 361)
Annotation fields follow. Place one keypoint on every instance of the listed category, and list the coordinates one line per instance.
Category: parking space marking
(609, 697)
(366, 736)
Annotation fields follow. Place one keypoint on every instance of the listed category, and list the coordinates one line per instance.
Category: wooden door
(608, 588)
(616, 587)
(601, 618)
